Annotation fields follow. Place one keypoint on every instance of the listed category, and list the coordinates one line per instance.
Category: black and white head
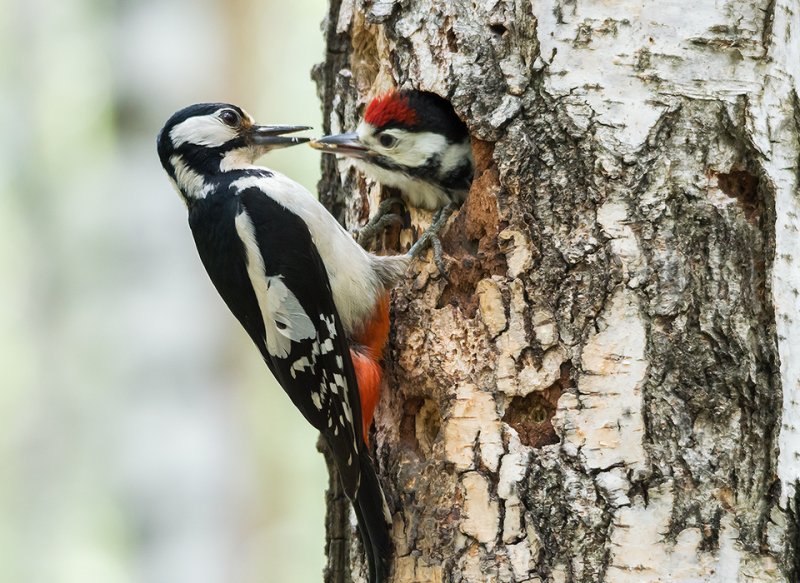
(413, 141)
(204, 140)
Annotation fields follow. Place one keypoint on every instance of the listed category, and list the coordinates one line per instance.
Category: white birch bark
(608, 387)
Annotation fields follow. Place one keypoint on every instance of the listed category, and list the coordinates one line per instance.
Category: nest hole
(421, 425)
(531, 416)
(742, 186)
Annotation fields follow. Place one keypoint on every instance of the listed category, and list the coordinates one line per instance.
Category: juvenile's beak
(344, 144)
(272, 136)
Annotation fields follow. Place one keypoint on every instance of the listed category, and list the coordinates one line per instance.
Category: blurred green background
(141, 437)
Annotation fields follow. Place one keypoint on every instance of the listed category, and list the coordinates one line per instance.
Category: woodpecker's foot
(430, 238)
(382, 219)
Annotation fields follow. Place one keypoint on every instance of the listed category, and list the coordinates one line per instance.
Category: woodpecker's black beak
(344, 144)
(272, 137)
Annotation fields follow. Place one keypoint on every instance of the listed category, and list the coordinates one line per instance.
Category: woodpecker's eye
(230, 117)
(387, 141)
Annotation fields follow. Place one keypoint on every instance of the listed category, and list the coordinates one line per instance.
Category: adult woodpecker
(311, 299)
(413, 141)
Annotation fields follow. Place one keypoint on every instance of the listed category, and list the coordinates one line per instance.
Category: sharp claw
(386, 205)
(371, 229)
(382, 219)
(431, 238)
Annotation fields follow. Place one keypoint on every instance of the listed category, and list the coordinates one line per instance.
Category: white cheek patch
(455, 155)
(202, 130)
(413, 149)
(285, 320)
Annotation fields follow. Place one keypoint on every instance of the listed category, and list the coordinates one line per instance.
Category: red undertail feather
(393, 107)
(367, 358)
(368, 375)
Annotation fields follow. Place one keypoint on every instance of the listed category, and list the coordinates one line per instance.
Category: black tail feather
(370, 507)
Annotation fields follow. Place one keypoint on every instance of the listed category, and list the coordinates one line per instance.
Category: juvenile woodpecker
(311, 299)
(415, 142)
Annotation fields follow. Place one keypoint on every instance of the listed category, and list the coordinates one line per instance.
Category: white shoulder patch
(289, 318)
(285, 320)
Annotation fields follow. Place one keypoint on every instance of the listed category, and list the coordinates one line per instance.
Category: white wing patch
(285, 320)
(299, 365)
(330, 323)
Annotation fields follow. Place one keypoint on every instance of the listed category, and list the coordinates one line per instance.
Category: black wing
(314, 365)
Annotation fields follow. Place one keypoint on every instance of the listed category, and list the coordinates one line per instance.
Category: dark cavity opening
(531, 416)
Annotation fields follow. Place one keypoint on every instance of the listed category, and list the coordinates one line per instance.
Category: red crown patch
(392, 107)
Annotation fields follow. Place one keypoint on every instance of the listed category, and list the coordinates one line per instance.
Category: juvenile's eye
(387, 141)
(230, 117)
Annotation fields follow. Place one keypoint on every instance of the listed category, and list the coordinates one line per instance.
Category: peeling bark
(607, 389)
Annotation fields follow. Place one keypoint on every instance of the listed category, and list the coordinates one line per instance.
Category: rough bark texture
(604, 390)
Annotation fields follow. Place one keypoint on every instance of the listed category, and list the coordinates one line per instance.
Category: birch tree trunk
(607, 389)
